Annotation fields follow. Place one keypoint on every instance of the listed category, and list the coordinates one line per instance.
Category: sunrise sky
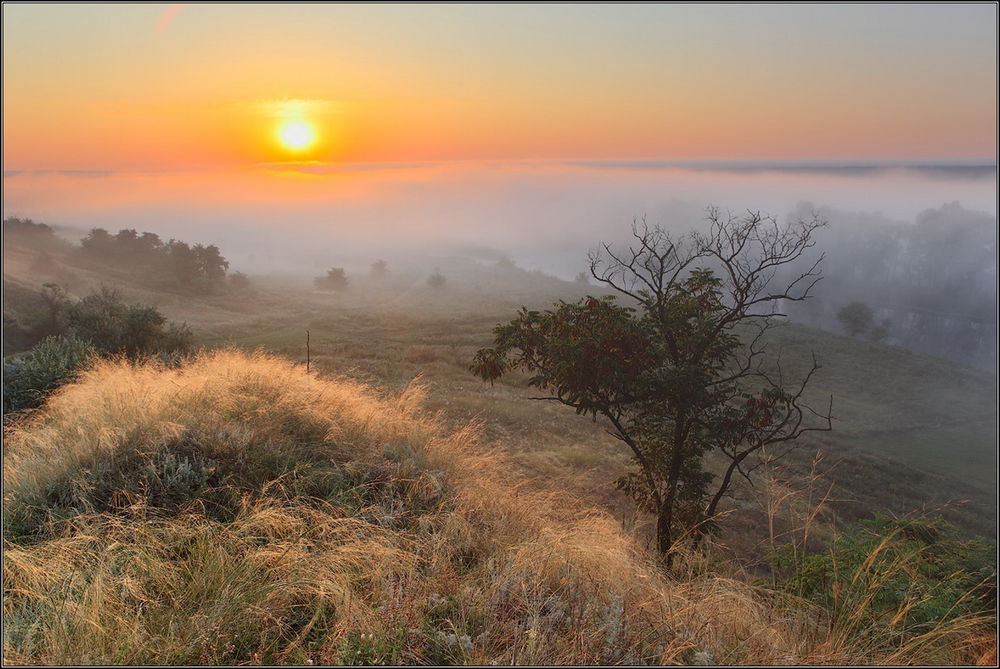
(170, 87)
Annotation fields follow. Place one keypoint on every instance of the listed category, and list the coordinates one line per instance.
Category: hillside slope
(238, 510)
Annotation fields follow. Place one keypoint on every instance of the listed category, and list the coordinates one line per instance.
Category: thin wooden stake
(308, 358)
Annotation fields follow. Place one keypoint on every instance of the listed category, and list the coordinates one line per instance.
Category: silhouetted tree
(335, 279)
(856, 318)
(211, 264)
(56, 301)
(184, 262)
(98, 243)
(680, 374)
(239, 281)
(380, 269)
(436, 280)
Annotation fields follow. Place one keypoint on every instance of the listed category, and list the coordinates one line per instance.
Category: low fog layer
(916, 244)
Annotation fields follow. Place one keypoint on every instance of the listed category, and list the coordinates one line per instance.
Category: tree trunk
(665, 516)
(664, 540)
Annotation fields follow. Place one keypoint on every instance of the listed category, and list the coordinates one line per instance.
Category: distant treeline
(24, 231)
(173, 260)
(143, 254)
(934, 280)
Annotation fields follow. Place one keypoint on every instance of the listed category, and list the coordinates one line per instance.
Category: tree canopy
(677, 370)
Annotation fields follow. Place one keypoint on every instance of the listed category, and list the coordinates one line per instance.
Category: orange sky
(157, 87)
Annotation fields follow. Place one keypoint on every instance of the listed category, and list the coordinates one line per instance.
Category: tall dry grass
(238, 510)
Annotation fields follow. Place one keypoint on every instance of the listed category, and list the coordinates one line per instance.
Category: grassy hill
(359, 516)
(239, 510)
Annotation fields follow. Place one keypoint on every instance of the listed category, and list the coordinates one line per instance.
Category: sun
(296, 134)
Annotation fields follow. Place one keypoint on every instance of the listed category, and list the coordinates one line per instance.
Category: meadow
(388, 507)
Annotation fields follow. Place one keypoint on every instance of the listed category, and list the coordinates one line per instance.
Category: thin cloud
(167, 17)
(318, 167)
(64, 173)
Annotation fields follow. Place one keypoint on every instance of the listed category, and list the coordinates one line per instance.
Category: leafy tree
(856, 318)
(98, 243)
(380, 269)
(678, 371)
(335, 279)
(436, 280)
(211, 264)
(112, 326)
(56, 301)
(184, 262)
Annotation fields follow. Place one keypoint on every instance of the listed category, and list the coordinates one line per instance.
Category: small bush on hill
(29, 378)
(436, 280)
(239, 281)
(335, 279)
(99, 324)
(856, 318)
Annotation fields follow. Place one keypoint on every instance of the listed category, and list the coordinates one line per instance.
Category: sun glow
(296, 134)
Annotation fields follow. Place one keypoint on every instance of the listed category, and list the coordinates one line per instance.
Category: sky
(534, 129)
(150, 87)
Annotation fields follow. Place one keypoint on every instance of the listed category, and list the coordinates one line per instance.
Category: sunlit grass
(238, 510)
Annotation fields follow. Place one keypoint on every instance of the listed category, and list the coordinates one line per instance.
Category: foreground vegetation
(236, 509)
(239, 510)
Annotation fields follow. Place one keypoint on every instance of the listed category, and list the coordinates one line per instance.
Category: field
(445, 495)
(911, 431)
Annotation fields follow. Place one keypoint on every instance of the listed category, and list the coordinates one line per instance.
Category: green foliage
(27, 379)
(908, 575)
(99, 324)
(605, 359)
(135, 330)
(668, 375)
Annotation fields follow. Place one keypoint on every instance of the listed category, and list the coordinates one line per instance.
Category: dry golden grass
(239, 510)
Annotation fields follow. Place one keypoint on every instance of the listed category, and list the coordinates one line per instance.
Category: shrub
(436, 280)
(897, 578)
(856, 318)
(28, 379)
(135, 330)
(239, 281)
(335, 279)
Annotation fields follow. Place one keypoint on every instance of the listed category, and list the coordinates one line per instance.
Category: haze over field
(281, 279)
(545, 215)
